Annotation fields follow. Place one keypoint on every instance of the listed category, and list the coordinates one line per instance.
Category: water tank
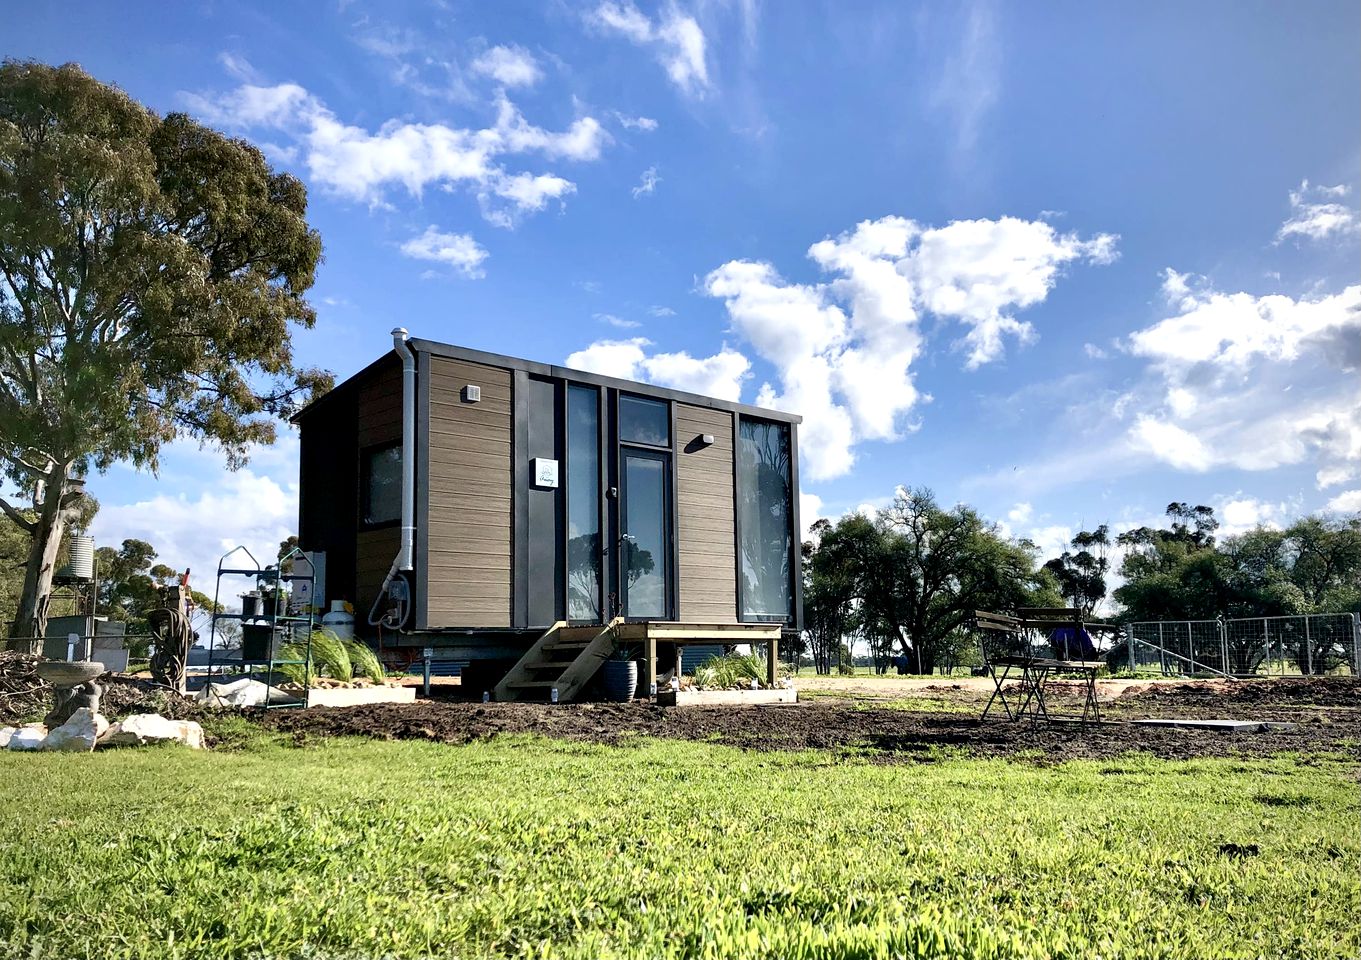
(82, 558)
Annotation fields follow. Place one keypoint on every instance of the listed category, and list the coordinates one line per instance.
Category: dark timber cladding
(470, 469)
(378, 423)
(704, 523)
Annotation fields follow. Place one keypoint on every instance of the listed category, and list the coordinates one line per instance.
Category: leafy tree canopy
(913, 577)
(151, 270)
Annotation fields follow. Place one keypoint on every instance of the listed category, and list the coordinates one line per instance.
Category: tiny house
(489, 506)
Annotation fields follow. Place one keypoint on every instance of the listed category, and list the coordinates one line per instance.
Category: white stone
(5, 734)
(144, 728)
(79, 734)
(28, 737)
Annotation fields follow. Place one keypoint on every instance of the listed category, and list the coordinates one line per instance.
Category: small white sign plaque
(545, 472)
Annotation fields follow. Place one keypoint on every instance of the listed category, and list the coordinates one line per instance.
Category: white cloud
(1021, 513)
(1348, 502)
(364, 165)
(1317, 214)
(457, 250)
(243, 508)
(524, 193)
(509, 66)
(1240, 514)
(238, 67)
(1232, 330)
(1252, 382)
(844, 349)
(619, 322)
(646, 124)
(1171, 444)
(720, 375)
(1094, 352)
(660, 311)
(1247, 381)
(810, 510)
(647, 183)
(675, 37)
(969, 82)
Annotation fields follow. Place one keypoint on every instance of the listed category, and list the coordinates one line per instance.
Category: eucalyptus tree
(151, 273)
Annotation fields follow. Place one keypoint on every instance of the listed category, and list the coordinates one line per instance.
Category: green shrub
(364, 661)
(331, 657)
(734, 670)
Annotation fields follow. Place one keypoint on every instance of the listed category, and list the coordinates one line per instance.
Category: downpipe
(396, 589)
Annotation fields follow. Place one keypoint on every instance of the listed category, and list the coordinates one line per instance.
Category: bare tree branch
(18, 518)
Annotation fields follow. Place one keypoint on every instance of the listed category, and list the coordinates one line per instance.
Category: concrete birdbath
(74, 688)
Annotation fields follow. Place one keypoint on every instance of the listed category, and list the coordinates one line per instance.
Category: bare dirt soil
(1327, 713)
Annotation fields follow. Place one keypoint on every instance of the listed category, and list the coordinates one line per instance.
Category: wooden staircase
(565, 658)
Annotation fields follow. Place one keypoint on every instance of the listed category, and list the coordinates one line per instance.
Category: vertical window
(583, 504)
(382, 485)
(765, 519)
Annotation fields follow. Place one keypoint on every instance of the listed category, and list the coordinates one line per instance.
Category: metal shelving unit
(281, 628)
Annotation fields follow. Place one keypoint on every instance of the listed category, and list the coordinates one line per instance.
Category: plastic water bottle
(553, 697)
(652, 689)
(486, 696)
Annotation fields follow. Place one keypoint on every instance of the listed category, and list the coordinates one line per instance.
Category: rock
(28, 737)
(246, 692)
(5, 734)
(79, 734)
(145, 728)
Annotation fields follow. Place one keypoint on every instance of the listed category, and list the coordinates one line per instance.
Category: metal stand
(295, 628)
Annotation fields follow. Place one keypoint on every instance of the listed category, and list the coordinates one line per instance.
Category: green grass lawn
(531, 847)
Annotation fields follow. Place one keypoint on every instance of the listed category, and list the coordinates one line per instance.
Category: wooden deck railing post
(650, 661)
(772, 660)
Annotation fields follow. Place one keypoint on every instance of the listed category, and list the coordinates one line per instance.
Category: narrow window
(644, 421)
(765, 520)
(382, 485)
(583, 504)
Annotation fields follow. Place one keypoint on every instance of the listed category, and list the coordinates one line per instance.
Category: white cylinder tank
(82, 562)
(339, 620)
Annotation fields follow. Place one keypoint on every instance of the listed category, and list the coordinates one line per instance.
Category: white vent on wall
(472, 393)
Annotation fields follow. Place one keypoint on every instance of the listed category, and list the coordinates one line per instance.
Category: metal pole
(1190, 646)
(1308, 651)
(1356, 644)
(1223, 630)
(1162, 649)
(1266, 645)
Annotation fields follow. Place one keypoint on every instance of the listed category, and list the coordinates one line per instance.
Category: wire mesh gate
(1306, 645)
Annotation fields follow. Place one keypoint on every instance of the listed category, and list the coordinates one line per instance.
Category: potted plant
(619, 676)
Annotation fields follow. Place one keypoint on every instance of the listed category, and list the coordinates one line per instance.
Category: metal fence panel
(1306, 645)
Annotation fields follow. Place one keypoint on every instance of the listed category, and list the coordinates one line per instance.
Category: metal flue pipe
(399, 337)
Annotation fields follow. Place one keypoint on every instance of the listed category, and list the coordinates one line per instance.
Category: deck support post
(772, 661)
(650, 662)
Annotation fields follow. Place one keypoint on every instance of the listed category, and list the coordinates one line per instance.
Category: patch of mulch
(881, 734)
(124, 696)
(24, 696)
(1236, 694)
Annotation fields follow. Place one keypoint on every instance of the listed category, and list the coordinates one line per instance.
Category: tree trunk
(54, 514)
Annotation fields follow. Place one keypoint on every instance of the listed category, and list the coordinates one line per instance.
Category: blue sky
(1065, 262)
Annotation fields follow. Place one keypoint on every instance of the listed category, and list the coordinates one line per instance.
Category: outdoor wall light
(472, 393)
(707, 439)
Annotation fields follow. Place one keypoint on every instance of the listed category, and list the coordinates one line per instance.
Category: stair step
(566, 645)
(558, 665)
(535, 684)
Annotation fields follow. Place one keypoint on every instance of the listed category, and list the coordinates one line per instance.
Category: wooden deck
(566, 657)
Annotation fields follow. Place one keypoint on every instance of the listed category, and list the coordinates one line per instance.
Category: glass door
(645, 534)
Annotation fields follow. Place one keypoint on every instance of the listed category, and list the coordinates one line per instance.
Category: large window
(583, 504)
(765, 520)
(644, 421)
(382, 485)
